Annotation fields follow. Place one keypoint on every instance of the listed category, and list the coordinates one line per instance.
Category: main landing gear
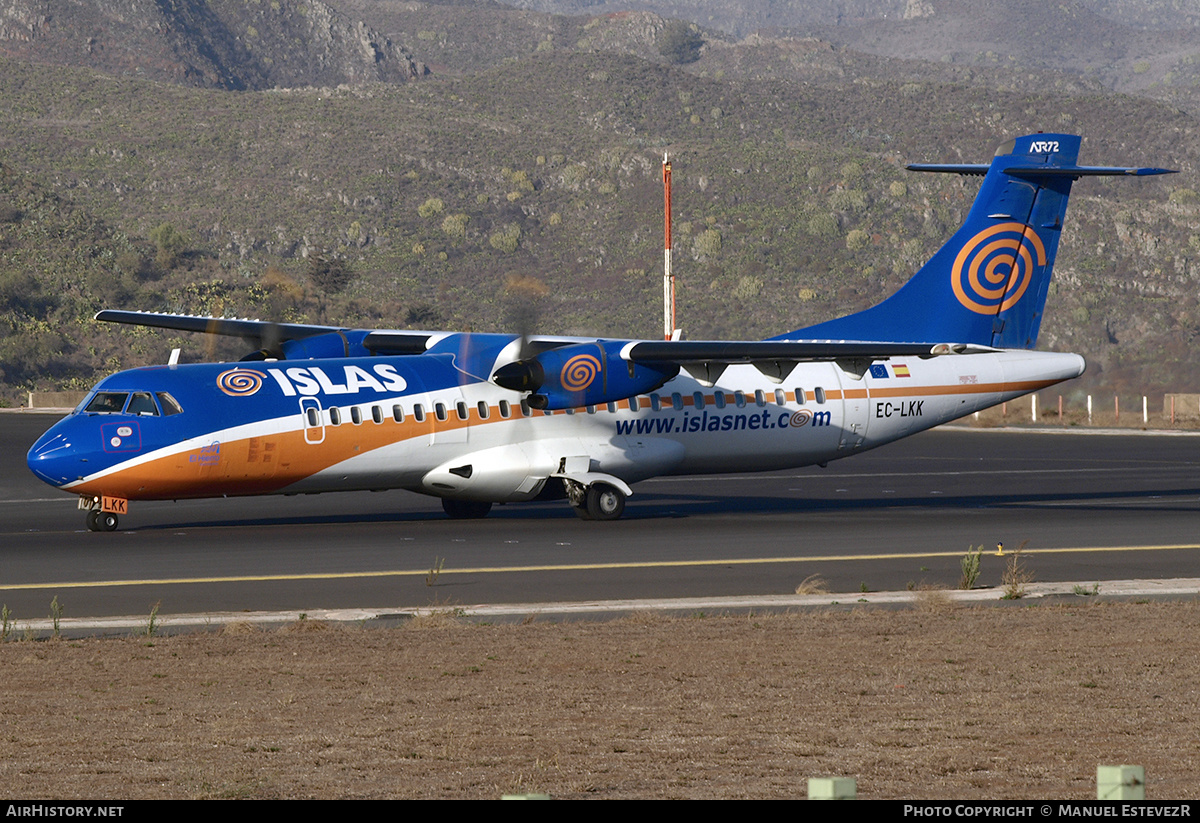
(598, 501)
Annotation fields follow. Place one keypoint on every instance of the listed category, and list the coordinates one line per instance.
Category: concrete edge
(1089, 591)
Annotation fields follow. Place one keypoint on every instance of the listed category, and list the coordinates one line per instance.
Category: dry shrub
(813, 584)
(306, 626)
(435, 619)
(238, 627)
(1016, 575)
(934, 601)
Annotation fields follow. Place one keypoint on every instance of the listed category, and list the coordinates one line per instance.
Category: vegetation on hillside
(420, 204)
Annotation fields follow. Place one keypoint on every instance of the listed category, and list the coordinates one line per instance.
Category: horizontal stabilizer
(1074, 172)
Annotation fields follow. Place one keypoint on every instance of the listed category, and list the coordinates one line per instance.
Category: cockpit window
(107, 402)
(169, 405)
(142, 404)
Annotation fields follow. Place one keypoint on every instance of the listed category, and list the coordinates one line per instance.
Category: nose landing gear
(97, 519)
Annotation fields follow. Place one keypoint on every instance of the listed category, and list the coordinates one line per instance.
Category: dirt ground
(937, 701)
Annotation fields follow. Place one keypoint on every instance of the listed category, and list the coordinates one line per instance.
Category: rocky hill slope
(227, 44)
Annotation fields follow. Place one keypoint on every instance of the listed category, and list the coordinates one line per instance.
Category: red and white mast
(668, 278)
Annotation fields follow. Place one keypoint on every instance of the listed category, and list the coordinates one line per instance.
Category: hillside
(1145, 47)
(227, 44)
(426, 198)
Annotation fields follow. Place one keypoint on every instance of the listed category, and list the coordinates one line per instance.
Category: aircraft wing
(703, 359)
(726, 351)
(706, 361)
(232, 327)
(269, 335)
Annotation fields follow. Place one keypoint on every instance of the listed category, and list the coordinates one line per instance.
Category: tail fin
(988, 284)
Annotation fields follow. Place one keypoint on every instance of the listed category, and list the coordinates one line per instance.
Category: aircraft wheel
(581, 511)
(93, 520)
(465, 509)
(604, 502)
(108, 521)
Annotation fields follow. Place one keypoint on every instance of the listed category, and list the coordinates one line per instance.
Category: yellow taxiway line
(647, 564)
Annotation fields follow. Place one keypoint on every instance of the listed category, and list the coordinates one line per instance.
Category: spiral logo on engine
(995, 267)
(239, 382)
(579, 372)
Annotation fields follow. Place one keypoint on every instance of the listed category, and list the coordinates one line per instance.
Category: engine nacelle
(348, 343)
(584, 374)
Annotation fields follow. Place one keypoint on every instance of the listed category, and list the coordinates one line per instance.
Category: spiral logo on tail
(239, 382)
(995, 267)
(579, 372)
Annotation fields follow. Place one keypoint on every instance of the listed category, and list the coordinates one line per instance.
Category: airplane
(479, 419)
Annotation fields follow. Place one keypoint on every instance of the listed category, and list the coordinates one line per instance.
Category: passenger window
(335, 416)
(719, 399)
(525, 411)
(398, 413)
(377, 414)
(419, 413)
(739, 399)
(311, 414)
(107, 402)
(677, 401)
(483, 410)
(461, 408)
(169, 404)
(633, 403)
(356, 415)
(760, 398)
(439, 409)
(780, 397)
(591, 409)
(698, 400)
(820, 395)
(800, 398)
(505, 409)
(612, 407)
(655, 402)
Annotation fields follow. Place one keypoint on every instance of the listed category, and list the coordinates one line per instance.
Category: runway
(1086, 506)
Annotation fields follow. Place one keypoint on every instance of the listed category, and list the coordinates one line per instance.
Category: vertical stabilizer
(988, 284)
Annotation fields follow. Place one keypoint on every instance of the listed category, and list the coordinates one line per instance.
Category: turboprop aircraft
(477, 419)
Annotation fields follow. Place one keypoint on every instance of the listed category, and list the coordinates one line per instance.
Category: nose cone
(54, 459)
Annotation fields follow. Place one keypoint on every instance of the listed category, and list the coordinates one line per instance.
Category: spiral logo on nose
(995, 267)
(239, 382)
(579, 372)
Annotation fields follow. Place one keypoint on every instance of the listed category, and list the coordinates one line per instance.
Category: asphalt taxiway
(1085, 506)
